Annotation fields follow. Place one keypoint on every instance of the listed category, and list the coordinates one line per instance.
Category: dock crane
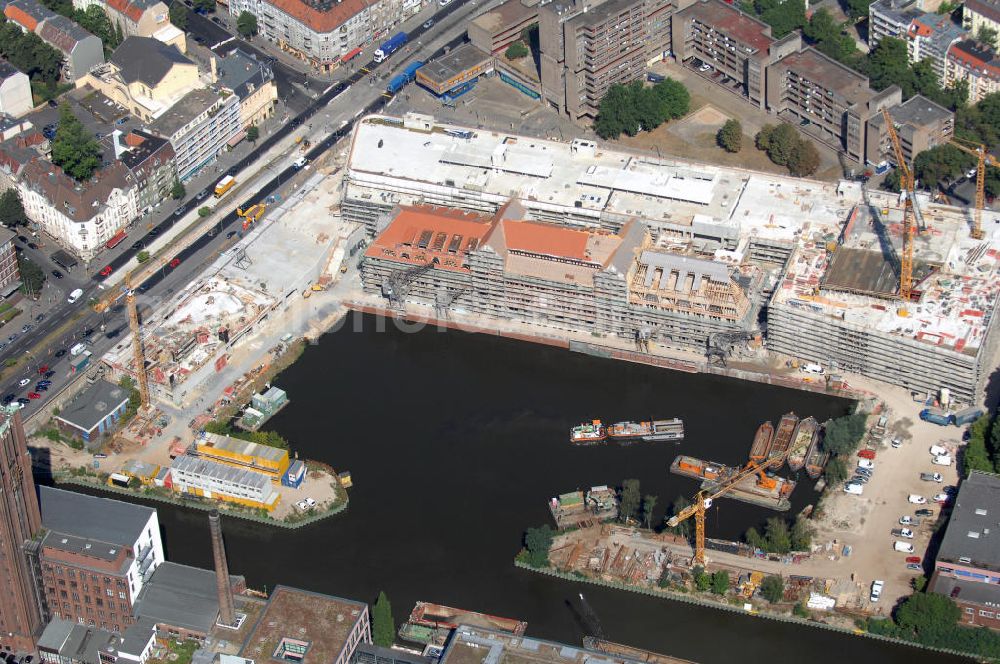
(137, 352)
(909, 214)
(978, 151)
(703, 500)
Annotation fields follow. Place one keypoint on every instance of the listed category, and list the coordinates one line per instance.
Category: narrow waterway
(456, 441)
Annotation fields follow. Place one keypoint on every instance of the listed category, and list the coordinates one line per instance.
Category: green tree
(516, 51)
(977, 457)
(134, 397)
(987, 35)
(843, 434)
(537, 542)
(246, 24)
(32, 276)
(204, 6)
(784, 17)
(924, 612)
(616, 115)
(702, 581)
(628, 506)
(889, 64)
(73, 149)
(772, 588)
(177, 191)
(204, 211)
(821, 27)
(720, 582)
(835, 471)
(801, 610)
(803, 159)
(684, 527)
(142, 256)
(383, 626)
(179, 15)
(11, 211)
(777, 535)
(253, 133)
(675, 98)
(942, 162)
(730, 136)
(858, 8)
(755, 539)
(95, 20)
(891, 181)
(648, 505)
(778, 141)
(801, 535)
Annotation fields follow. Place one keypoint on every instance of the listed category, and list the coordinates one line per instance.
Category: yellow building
(199, 476)
(241, 453)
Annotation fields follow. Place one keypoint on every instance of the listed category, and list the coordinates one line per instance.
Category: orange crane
(909, 213)
(703, 500)
(978, 151)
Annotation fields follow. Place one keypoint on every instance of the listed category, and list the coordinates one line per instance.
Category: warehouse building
(212, 479)
(242, 454)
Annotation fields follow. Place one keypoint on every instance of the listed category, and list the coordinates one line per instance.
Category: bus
(118, 238)
(224, 185)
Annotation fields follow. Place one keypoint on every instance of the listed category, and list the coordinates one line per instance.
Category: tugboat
(588, 433)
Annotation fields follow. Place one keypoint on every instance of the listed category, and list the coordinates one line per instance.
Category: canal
(455, 443)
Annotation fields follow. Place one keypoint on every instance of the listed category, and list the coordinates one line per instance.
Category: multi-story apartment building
(920, 125)
(22, 613)
(96, 557)
(81, 50)
(891, 18)
(495, 30)
(252, 82)
(829, 101)
(10, 276)
(149, 161)
(929, 38)
(977, 14)
(586, 47)
(15, 91)
(135, 18)
(733, 48)
(322, 32)
(200, 126)
(975, 63)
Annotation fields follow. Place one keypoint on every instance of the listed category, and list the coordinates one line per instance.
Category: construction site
(477, 223)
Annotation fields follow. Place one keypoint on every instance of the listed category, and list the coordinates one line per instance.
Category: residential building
(586, 47)
(212, 479)
(336, 628)
(978, 14)
(200, 126)
(22, 613)
(93, 412)
(149, 160)
(977, 64)
(929, 38)
(10, 275)
(135, 18)
(967, 566)
(272, 461)
(736, 48)
(322, 32)
(96, 557)
(920, 125)
(15, 91)
(182, 601)
(252, 82)
(146, 76)
(493, 31)
(28, 14)
(65, 642)
(82, 51)
(891, 18)
(825, 99)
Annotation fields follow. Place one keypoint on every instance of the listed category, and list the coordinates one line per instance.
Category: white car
(867, 464)
(854, 488)
(302, 505)
(704, 67)
(23, 382)
(877, 586)
(906, 532)
(942, 460)
(905, 520)
(916, 500)
(938, 450)
(902, 547)
(310, 502)
(941, 498)
(896, 442)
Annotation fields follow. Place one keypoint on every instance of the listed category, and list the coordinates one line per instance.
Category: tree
(674, 96)
(772, 588)
(940, 163)
(784, 17)
(629, 109)
(142, 256)
(11, 210)
(177, 191)
(516, 51)
(977, 456)
(246, 24)
(987, 35)
(835, 471)
(779, 539)
(702, 581)
(922, 612)
(383, 626)
(179, 15)
(755, 539)
(684, 527)
(889, 64)
(95, 20)
(204, 6)
(843, 434)
(858, 8)
(32, 276)
(730, 136)
(821, 27)
(648, 505)
(629, 504)
(253, 133)
(73, 149)
(780, 142)
(720, 582)
(538, 541)
(803, 159)
(802, 534)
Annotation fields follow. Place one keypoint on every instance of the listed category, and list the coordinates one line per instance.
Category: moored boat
(762, 442)
(657, 430)
(816, 458)
(699, 470)
(802, 443)
(588, 433)
(783, 436)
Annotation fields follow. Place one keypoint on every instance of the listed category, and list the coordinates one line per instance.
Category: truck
(80, 362)
(224, 185)
(967, 416)
(391, 46)
(400, 80)
(936, 416)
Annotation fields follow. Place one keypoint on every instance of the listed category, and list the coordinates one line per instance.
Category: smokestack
(227, 614)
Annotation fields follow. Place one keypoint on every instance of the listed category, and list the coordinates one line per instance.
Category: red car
(107, 270)
(867, 454)
(43, 369)
(913, 559)
(175, 262)
(34, 395)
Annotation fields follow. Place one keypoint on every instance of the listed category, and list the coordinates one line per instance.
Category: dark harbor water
(456, 441)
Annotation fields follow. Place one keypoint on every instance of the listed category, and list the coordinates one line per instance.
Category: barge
(816, 458)
(700, 470)
(432, 624)
(783, 436)
(588, 433)
(578, 508)
(762, 442)
(654, 431)
(802, 443)
(758, 489)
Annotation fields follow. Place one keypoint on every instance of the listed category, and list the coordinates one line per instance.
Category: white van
(877, 586)
(75, 295)
(854, 488)
(812, 368)
(942, 460)
(77, 349)
(867, 464)
(902, 547)
(938, 450)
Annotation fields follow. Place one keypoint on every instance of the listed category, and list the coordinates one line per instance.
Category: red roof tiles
(546, 239)
(320, 21)
(21, 17)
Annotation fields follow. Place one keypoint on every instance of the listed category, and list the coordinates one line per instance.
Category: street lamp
(34, 359)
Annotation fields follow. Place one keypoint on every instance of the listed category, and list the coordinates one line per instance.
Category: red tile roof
(546, 239)
(440, 228)
(320, 21)
(126, 8)
(21, 17)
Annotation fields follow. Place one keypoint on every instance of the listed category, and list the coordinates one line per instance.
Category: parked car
(704, 67)
(175, 262)
(867, 454)
(859, 479)
(942, 460)
(914, 566)
(7, 399)
(23, 382)
(868, 464)
(60, 352)
(41, 388)
(23, 401)
(903, 532)
(938, 450)
(310, 502)
(916, 500)
(876, 592)
(931, 477)
(57, 274)
(897, 443)
(941, 498)
(902, 547)
(107, 270)
(905, 520)
(34, 395)
(230, 235)
(854, 488)
(428, 24)
(302, 505)
(914, 559)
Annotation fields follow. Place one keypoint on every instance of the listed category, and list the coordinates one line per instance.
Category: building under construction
(677, 251)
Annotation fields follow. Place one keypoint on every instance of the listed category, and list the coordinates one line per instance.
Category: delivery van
(77, 349)
(75, 295)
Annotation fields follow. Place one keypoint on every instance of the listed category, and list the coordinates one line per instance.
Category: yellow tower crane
(909, 206)
(978, 151)
(138, 355)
